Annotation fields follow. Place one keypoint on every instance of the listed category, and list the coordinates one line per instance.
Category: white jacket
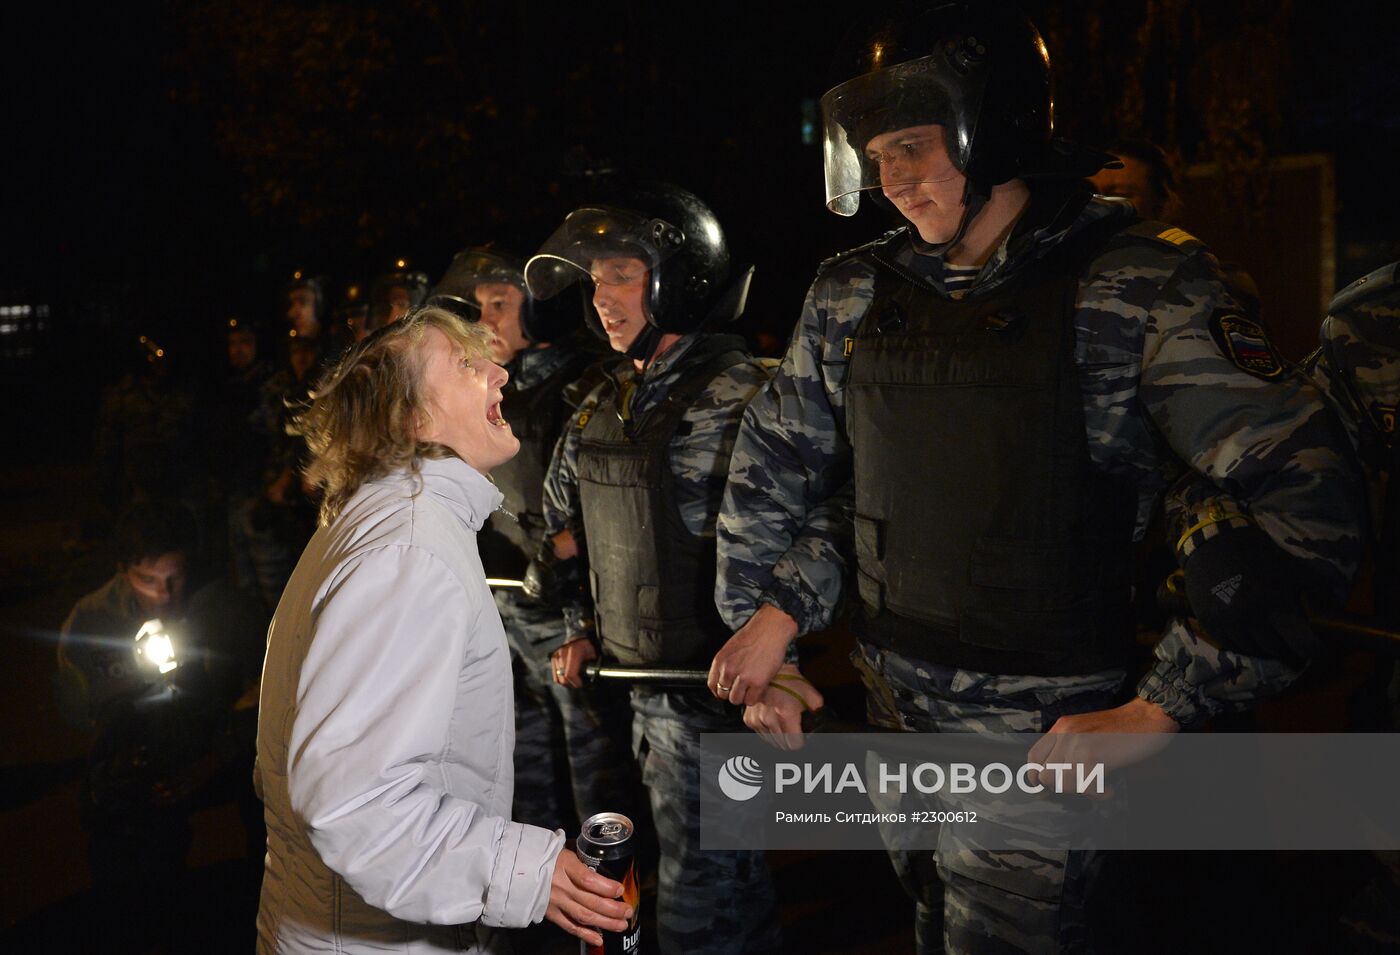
(386, 733)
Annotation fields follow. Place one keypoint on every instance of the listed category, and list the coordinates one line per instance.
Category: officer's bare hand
(569, 660)
(1118, 737)
(778, 716)
(564, 544)
(742, 669)
(581, 900)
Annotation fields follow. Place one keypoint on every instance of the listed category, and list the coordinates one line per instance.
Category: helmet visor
(472, 268)
(610, 246)
(907, 124)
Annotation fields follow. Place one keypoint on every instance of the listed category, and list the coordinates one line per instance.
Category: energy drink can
(606, 845)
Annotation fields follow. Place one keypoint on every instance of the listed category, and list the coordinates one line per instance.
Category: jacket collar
(465, 491)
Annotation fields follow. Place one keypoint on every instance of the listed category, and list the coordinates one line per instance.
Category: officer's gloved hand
(1246, 594)
(553, 581)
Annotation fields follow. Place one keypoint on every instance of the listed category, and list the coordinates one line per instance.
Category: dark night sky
(129, 198)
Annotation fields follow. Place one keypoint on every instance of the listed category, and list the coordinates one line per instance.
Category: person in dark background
(238, 452)
(394, 294)
(159, 711)
(281, 520)
(1145, 178)
(993, 521)
(307, 307)
(535, 341)
(146, 442)
(634, 485)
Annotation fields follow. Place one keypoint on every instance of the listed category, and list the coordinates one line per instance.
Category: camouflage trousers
(707, 901)
(972, 900)
(572, 749)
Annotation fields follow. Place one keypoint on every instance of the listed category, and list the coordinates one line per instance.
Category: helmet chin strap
(974, 198)
(644, 345)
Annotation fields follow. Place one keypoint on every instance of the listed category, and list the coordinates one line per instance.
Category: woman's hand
(580, 898)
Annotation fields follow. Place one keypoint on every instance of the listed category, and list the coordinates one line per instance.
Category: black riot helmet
(978, 70)
(546, 320)
(382, 305)
(692, 284)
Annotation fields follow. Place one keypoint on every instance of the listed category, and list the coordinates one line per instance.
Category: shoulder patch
(1246, 344)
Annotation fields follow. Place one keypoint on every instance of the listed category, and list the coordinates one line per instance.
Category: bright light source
(154, 646)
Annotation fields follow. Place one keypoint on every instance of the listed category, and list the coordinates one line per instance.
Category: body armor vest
(536, 417)
(653, 581)
(984, 538)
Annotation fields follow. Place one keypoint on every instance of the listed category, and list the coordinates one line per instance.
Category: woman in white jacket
(387, 723)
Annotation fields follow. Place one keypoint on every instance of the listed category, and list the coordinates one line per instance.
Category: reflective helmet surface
(691, 283)
(540, 320)
(980, 71)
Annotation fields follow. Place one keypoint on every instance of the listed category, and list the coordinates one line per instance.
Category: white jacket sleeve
(389, 663)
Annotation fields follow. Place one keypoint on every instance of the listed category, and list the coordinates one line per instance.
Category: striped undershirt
(957, 279)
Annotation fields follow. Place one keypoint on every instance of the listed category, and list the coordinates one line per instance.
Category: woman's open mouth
(493, 415)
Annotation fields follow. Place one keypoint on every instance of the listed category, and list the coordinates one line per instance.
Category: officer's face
(918, 176)
(242, 349)
(400, 301)
(463, 403)
(500, 304)
(1134, 183)
(158, 582)
(301, 312)
(619, 294)
(301, 357)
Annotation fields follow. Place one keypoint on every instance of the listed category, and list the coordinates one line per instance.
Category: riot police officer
(1004, 384)
(394, 294)
(635, 481)
(535, 342)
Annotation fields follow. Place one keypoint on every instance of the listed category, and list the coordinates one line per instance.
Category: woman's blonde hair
(362, 420)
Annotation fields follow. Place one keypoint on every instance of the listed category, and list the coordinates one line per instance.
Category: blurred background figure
(394, 294)
(1146, 179)
(152, 674)
(145, 439)
(237, 451)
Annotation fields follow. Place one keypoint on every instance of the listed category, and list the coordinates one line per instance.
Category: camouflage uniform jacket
(1165, 386)
(1357, 364)
(698, 455)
